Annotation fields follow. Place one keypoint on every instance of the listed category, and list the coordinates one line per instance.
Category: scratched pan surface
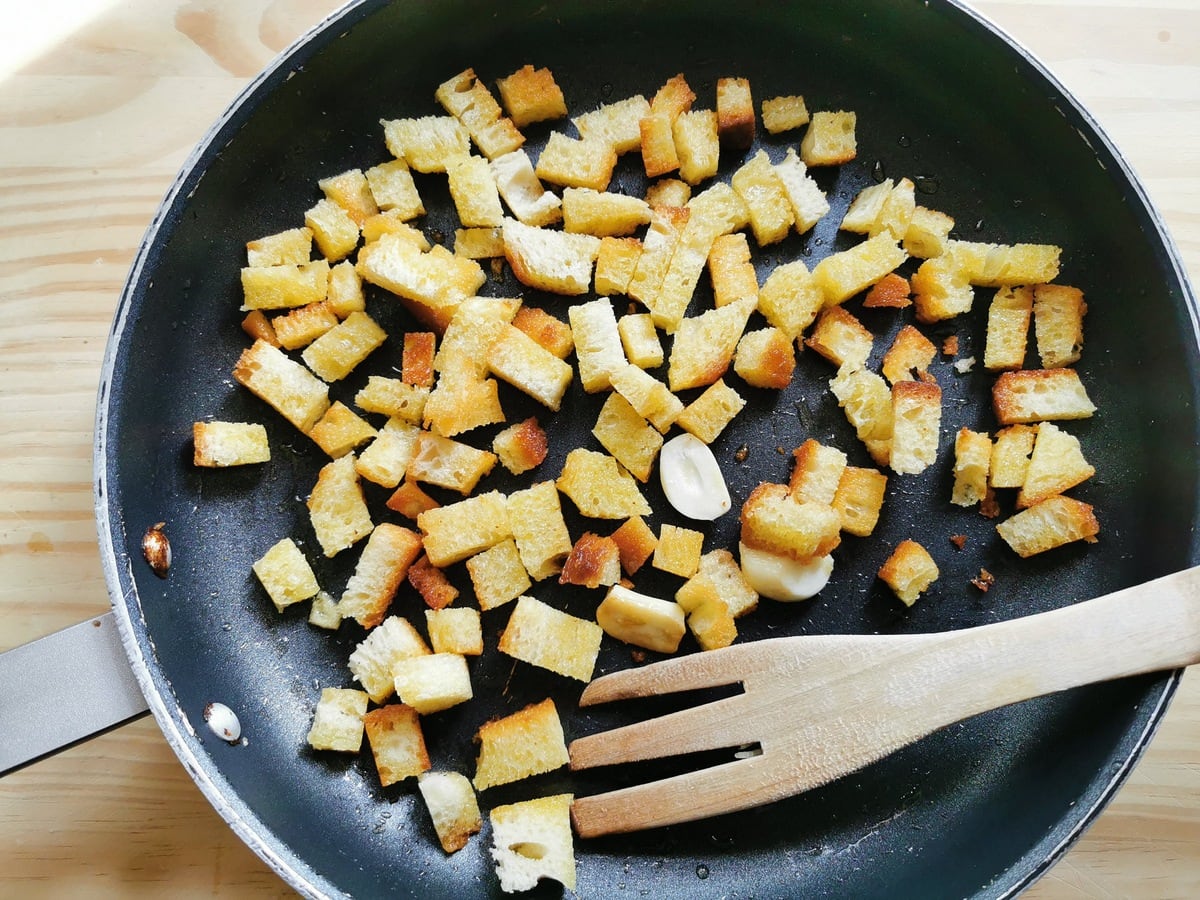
(981, 808)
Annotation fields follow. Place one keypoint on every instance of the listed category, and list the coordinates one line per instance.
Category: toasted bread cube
(351, 192)
(427, 143)
(598, 348)
(830, 139)
(705, 344)
(674, 98)
(942, 287)
(790, 298)
(615, 124)
(393, 398)
(678, 550)
(303, 325)
(340, 430)
(219, 444)
(658, 246)
(707, 415)
(473, 190)
(286, 574)
(711, 623)
(599, 487)
(735, 112)
(539, 529)
(916, 420)
(284, 286)
(476, 324)
(680, 280)
(259, 327)
(498, 575)
(547, 260)
(808, 201)
(523, 192)
(718, 577)
(867, 401)
(972, 461)
(542, 825)
(648, 396)
(323, 612)
(521, 447)
(526, 743)
(460, 402)
(784, 113)
(549, 639)
(841, 338)
(1008, 328)
(455, 629)
(759, 185)
(659, 155)
(1055, 521)
(729, 264)
(551, 333)
(452, 806)
(603, 214)
(668, 192)
(334, 230)
(896, 212)
(338, 720)
(641, 620)
(909, 357)
(467, 98)
(576, 162)
(339, 514)
(384, 562)
(635, 543)
(816, 472)
(859, 499)
(391, 221)
(928, 233)
(616, 262)
(336, 353)
(292, 247)
(372, 661)
(909, 571)
(416, 365)
(773, 521)
(765, 358)
(696, 144)
(1010, 455)
(1057, 464)
(844, 274)
(531, 95)
(1033, 395)
(479, 243)
(594, 561)
(393, 188)
(866, 206)
(890, 292)
(432, 683)
(410, 501)
(632, 440)
(528, 366)
(639, 339)
(999, 265)
(432, 584)
(397, 743)
(449, 463)
(1058, 313)
(458, 530)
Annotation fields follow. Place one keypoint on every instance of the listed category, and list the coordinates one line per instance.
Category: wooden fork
(821, 707)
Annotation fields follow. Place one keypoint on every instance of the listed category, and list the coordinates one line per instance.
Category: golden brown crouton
(292, 247)
(340, 430)
(397, 743)
(830, 139)
(384, 562)
(285, 385)
(632, 441)
(286, 575)
(432, 584)
(635, 543)
(816, 472)
(707, 415)
(599, 487)
(453, 532)
(890, 291)
(784, 113)
(841, 338)
(859, 499)
(545, 637)
(1008, 328)
(1055, 521)
(1058, 313)
(1033, 395)
(678, 550)
(972, 462)
(452, 807)
(594, 561)
(410, 501)
(735, 112)
(522, 446)
(498, 575)
(539, 529)
(916, 421)
(525, 743)
(1055, 465)
(705, 344)
(338, 720)
(218, 444)
(909, 356)
(531, 95)
(1010, 455)
(909, 571)
(732, 271)
(338, 512)
(773, 521)
(765, 358)
(544, 823)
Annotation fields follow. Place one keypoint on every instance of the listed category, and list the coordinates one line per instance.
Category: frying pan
(980, 809)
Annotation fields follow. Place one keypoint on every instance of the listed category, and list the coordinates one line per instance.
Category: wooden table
(98, 108)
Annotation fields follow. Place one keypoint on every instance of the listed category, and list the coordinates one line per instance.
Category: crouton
(928, 233)
(859, 499)
(284, 286)
(544, 824)
(594, 561)
(705, 344)
(1008, 328)
(639, 340)
(615, 264)
(729, 264)
(1000, 265)
(1010, 455)
(521, 447)
(909, 571)
(718, 577)
(896, 211)
(603, 214)
(841, 338)
(909, 357)
(397, 743)
(547, 260)
(351, 192)
(599, 487)
(916, 421)
(392, 222)
(808, 201)
(972, 462)
(393, 398)
(498, 575)
(765, 358)
(386, 459)
(635, 543)
(696, 144)
(384, 562)
(759, 185)
(522, 191)
(372, 661)
(658, 246)
(462, 401)
(648, 396)
(526, 743)
(598, 347)
(542, 636)
(539, 529)
(410, 501)
(220, 444)
(292, 247)
(452, 807)
(285, 385)
(551, 333)
(339, 514)
(393, 188)
(707, 415)
(518, 359)
(340, 430)
(338, 351)
(466, 97)
(830, 139)
(678, 550)
(668, 192)
(864, 209)
(432, 682)
(479, 243)
(773, 521)
(259, 327)
(843, 274)
(658, 144)
(942, 288)
(430, 284)
(323, 612)
(303, 325)
(891, 291)
(711, 623)
(632, 441)
(816, 472)
(1033, 395)
(1053, 522)
(784, 113)
(674, 98)
(1056, 464)
(1058, 313)
(338, 720)
(455, 629)
(790, 298)
(286, 575)
(432, 584)
(455, 531)
(576, 162)
(334, 231)
(531, 95)
(473, 190)
(735, 112)
(867, 402)
(449, 463)
(641, 620)
(616, 124)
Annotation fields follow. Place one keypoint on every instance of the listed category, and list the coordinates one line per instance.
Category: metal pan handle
(62, 689)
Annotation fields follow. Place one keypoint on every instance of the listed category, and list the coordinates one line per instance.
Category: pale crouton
(928, 233)
(549, 639)
(339, 514)
(393, 398)
(830, 139)
(551, 333)
(455, 531)
(841, 338)
(410, 501)
(433, 682)
(942, 288)
(790, 298)
(735, 112)
(635, 543)
(707, 415)
(285, 385)
(539, 529)
(479, 243)
(598, 348)
(518, 359)
(392, 222)
(843, 274)
(448, 463)
(340, 430)
(916, 422)
(455, 629)
(909, 357)
(462, 401)
(303, 325)
(595, 560)
(765, 358)
(864, 209)
(373, 659)
(773, 521)
(678, 550)
(616, 124)
(859, 499)
(381, 568)
(1008, 328)
(641, 620)
(731, 269)
(771, 213)
(809, 204)
(526, 743)
(705, 344)
(284, 286)
(1010, 455)
(431, 584)
(220, 444)
(867, 402)
(972, 462)
(896, 212)
(784, 113)
(335, 232)
(473, 190)
(336, 353)
(615, 264)
(603, 214)
(323, 612)
(632, 441)
(452, 806)
(292, 247)
(522, 446)
(639, 340)
(816, 472)
(1056, 465)
(393, 188)
(338, 720)
(718, 577)
(668, 192)
(576, 162)
(909, 571)
(1000, 265)
(467, 98)
(648, 396)
(658, 246)
(286, 575)
(498, 575)
(1033, 395)
(522, 191)
(543, 826)
(531, 95)
(547, 260)
(1055, 521)
(890, 292)
(351, 192)
(1058, 313)
(397, 743)
(477, 322)
(599, 487)
(696, 144)
(711, 623)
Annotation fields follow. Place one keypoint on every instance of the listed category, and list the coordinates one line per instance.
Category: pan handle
(62, 689)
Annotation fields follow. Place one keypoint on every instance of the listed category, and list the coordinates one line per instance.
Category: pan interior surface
(978, 809)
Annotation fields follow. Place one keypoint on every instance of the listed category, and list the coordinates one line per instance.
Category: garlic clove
(223, 722)
(691, 478)
(783, 578)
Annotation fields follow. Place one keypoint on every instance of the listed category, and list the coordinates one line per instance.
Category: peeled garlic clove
(641, 620)
(692, 479)
(784, 578)
(223, 722)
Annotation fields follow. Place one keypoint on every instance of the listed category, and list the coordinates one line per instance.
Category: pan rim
(138, 643)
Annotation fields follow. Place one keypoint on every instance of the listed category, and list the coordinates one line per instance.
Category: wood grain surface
(100, 103)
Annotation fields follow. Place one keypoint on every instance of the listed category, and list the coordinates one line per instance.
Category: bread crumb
(984, 580)
(958, 540)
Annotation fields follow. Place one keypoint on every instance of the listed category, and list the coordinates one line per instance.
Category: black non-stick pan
(979, 809)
